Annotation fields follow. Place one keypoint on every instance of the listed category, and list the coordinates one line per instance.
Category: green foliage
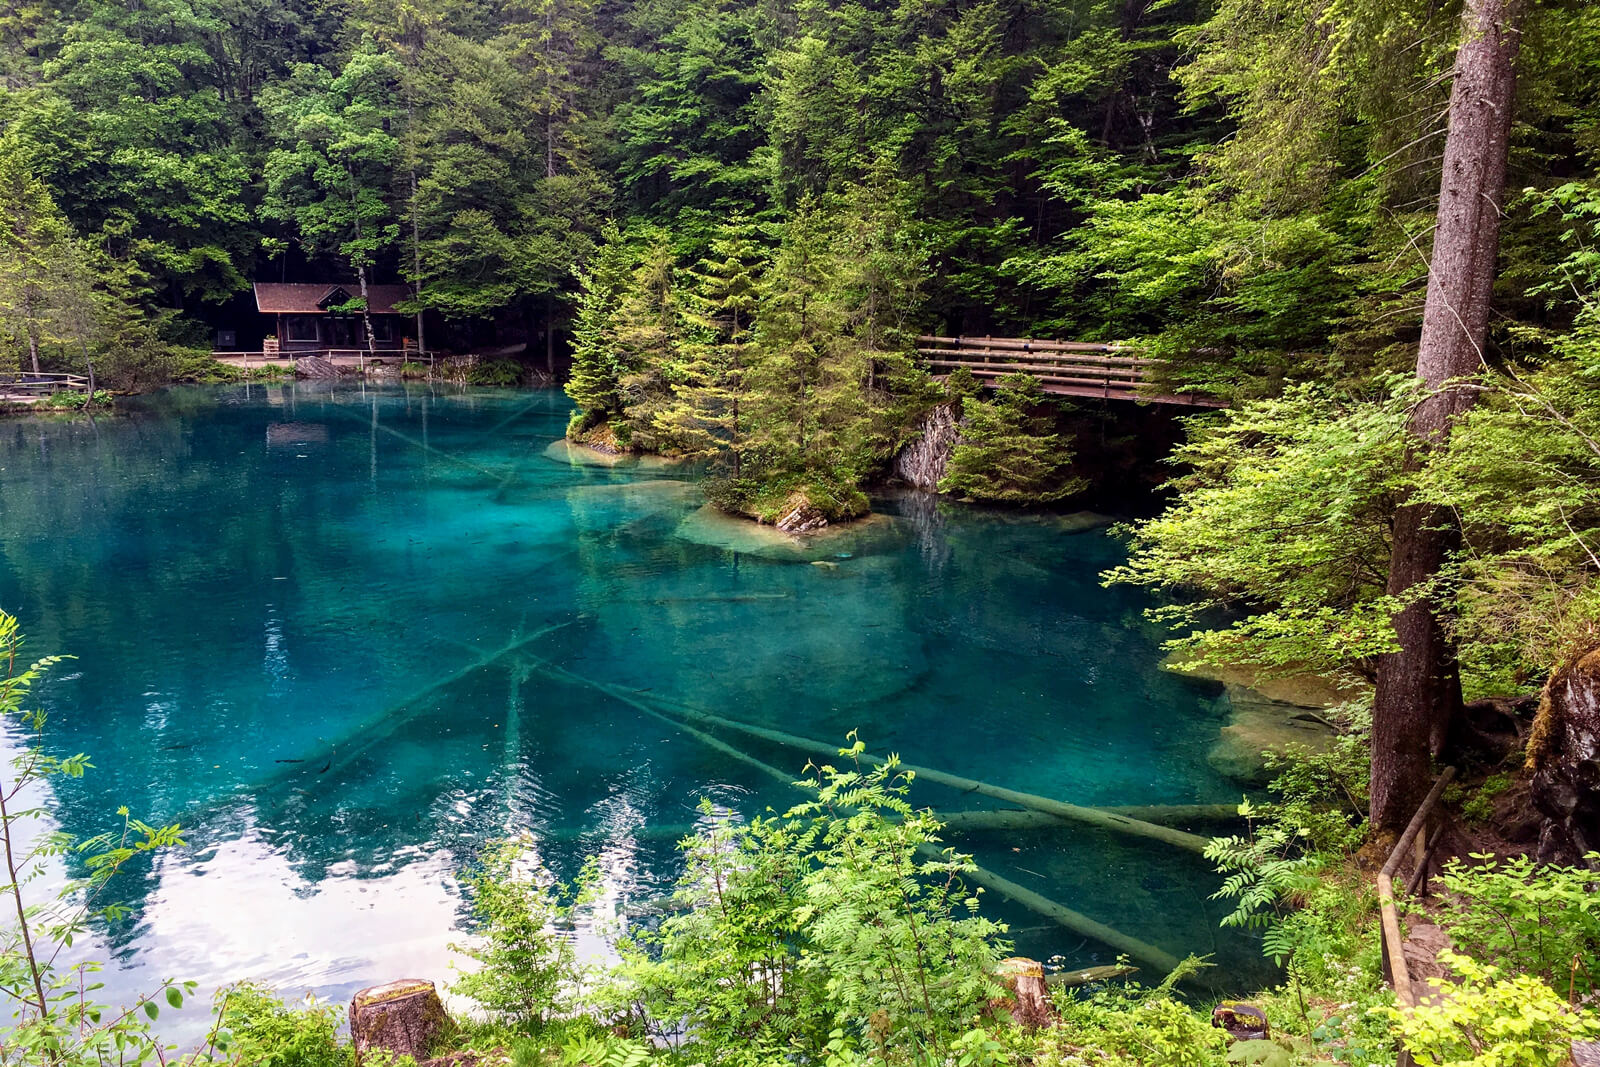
(526, 967)
(1479, 807)
(840, 926)
(1542, 921)
(1008, 452)
(1283, 508)
(1491, 1019)
(272, 1034)
(68, 400)
(1315, 821)
(495, 372)
(1133, 1024)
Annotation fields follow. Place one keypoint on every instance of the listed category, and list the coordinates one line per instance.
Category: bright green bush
(838, 929)
(268, 1033)
(526, 968)
(1489, 1019)
(1539, 920)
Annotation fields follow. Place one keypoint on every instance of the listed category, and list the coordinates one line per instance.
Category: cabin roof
(314, 298)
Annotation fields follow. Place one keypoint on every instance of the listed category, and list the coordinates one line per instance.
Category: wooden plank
(1114, 375)
(1026, 344)
(1036, 357)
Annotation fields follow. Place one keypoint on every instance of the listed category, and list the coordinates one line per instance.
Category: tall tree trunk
(416, 262)
(29, 306)
(366, 310)
(1419, 687)
(550, 334)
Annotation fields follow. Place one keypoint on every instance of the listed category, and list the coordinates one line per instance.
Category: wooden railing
(290, 355)
(20, 384)
(1065, 368)
(1417, 845)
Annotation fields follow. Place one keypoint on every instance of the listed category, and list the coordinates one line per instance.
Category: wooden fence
(25, 385)
(1065, 368)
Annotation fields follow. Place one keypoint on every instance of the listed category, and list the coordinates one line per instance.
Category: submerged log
(1090, 975)
(1061, 914)
(332, 759)
(1058, 808)
(1014, 820)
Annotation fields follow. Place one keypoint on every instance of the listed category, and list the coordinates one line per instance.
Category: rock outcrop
(1564, 756)
(800, 515)
(401, 1017)
(922, 463)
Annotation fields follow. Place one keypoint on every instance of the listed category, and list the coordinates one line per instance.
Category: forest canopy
(1246, 186)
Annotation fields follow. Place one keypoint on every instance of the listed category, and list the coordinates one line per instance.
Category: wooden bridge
(25, 387)
(1065, 368)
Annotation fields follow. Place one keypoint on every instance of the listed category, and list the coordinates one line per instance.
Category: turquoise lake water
(318, 625)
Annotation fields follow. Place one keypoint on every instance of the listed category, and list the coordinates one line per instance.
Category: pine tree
(593, 383)
(704, 417)
(1009, 451)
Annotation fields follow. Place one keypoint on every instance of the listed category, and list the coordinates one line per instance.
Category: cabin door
(344, 331)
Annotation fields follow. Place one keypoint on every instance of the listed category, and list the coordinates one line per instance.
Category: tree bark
(1419, 686)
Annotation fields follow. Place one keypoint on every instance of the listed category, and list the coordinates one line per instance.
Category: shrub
(1541, 920)
(1008, 451)
(268, 1033)
(1151, 1027)
(1486, 1020)
(525, 966)
(496, 372)
(835, 928)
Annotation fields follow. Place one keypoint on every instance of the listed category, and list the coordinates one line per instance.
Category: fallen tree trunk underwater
(1058, 808)
(1075, 921)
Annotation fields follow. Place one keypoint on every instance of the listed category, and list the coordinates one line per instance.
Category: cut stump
(1029, 1000)
(401, 1017)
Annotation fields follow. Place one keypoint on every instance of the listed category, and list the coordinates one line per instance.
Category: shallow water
(318, 625)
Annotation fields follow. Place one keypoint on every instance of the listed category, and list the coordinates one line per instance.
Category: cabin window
(301, 328)
(383, 328)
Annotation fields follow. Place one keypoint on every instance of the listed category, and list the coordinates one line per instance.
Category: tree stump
(401, 1017)
(1029, 1002)
(1564, 756)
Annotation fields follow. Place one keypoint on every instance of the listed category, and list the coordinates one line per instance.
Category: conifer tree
(593, 383)
(704, 417)
(1009, 451)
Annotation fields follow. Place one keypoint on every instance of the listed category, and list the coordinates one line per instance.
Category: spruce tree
(592, 384)
(1009, 451)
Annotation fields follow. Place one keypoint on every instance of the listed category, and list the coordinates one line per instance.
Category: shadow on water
(297, 611)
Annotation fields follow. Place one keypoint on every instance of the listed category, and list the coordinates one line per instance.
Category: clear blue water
(286, 604)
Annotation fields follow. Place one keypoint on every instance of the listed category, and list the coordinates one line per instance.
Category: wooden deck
(25, 387)
(1064, 368)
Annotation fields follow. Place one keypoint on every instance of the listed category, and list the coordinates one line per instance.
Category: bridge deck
(1064, 368)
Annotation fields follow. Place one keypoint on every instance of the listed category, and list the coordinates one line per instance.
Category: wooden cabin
(303, 319)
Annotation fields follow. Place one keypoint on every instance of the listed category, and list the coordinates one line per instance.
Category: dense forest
(1248, 186)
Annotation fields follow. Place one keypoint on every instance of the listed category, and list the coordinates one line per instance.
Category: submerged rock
(580, 455)
(402, 1018)
(712, 526)
(1259, 725)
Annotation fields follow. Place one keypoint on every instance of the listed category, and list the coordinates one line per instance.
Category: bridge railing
(27, 383)
(1066, 368)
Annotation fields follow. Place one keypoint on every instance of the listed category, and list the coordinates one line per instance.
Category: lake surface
(347, 636)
